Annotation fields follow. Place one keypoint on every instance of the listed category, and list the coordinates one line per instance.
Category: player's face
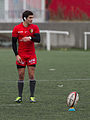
(29, 19)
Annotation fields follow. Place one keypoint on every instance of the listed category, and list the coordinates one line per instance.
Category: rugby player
(25, 34)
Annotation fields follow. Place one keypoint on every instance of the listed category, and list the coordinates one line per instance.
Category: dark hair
(26, 14)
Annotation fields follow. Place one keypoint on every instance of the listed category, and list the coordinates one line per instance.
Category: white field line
(66, 80)
(9, 105)
(71, 79)
(76, 79)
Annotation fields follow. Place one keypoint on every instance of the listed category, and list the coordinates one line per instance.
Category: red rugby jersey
(19, 31)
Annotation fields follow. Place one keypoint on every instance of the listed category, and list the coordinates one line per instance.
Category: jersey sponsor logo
(31, 30)
(20, 31)
(26, 31)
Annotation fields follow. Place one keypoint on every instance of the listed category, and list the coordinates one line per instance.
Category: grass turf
(58, 73)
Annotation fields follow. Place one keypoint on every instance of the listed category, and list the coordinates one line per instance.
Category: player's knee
(21, 75)
(31, 77)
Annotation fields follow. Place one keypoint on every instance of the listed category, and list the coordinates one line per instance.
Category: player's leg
(21, 73)
(32, 82)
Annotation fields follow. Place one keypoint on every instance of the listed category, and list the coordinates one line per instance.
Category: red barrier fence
(69, 9)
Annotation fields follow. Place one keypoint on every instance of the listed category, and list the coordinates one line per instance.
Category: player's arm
(14, 45)
(36, 38)
(14, 40)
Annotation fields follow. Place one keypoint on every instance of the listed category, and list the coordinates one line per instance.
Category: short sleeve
(36, 30)
(15, 32)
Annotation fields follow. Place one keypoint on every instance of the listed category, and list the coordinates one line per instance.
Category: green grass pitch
(58, 73)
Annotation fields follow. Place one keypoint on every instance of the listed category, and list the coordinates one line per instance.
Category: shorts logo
(32, 61)
(22, 63)
(31, 30)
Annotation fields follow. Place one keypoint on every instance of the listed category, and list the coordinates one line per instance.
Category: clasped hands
(26, 39)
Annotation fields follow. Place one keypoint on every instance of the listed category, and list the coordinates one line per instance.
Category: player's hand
(26, 39)
(18, 59)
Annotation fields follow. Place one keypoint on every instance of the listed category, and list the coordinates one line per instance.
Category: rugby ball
(72, 99)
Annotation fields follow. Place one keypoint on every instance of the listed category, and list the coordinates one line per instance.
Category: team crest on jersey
(31, 30)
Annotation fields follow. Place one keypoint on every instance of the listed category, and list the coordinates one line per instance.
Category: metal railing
(85, 39)
(47, 32)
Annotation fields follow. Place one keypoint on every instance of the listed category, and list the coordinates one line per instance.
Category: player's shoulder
(34, 26)
(18, 26)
